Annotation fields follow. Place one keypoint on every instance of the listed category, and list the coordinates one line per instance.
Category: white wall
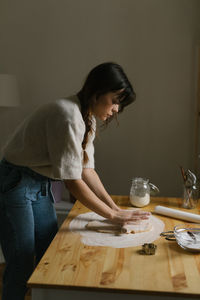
(52, 44)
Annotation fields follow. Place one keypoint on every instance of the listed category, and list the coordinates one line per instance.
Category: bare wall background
(52, 44)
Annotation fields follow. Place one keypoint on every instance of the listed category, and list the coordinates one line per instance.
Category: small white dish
(188, 236)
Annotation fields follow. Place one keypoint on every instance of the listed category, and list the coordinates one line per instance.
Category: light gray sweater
(49, 141)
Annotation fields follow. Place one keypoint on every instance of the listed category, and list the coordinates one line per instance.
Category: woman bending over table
(56, 143)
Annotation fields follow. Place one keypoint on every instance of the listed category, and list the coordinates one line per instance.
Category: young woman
(56, 143)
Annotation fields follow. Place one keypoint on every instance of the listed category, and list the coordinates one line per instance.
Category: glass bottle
(190, 196)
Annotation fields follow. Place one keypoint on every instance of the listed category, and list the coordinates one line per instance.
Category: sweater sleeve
(64, 142)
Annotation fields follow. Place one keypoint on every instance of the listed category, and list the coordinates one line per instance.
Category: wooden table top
(70, 264)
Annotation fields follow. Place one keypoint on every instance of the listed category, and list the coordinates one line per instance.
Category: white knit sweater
(49, 141)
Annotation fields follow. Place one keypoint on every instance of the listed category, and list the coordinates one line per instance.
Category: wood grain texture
(70, 264)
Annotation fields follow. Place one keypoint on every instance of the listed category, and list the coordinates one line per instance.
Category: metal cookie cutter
(148, 249)
(169, 235)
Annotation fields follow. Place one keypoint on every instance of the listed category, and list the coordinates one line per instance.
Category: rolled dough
(111, 239)
(109, 227)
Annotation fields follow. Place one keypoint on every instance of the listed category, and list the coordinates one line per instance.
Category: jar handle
(154, 190)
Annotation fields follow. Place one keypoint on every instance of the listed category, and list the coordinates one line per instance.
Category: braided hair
(104, 78)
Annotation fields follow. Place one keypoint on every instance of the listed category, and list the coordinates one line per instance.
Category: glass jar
(140, 191)
(190, 196)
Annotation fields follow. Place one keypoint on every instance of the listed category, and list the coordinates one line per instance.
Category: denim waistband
(26, 170)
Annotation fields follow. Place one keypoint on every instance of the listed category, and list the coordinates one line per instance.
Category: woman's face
(106, 105)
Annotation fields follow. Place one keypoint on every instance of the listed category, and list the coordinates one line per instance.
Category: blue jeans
(28, 224)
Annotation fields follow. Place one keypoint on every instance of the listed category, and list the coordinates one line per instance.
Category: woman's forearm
(80, 190)
(93, 181)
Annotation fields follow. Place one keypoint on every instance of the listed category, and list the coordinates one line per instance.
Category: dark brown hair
(104, 78)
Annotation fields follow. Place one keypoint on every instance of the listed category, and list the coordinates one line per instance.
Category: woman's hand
(81, 191)
(125, 216)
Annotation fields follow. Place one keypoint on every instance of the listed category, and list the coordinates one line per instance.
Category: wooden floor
(28, 297)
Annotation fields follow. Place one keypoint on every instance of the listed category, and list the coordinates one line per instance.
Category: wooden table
(70, 269)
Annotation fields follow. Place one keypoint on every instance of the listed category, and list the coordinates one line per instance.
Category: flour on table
(114, 238)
